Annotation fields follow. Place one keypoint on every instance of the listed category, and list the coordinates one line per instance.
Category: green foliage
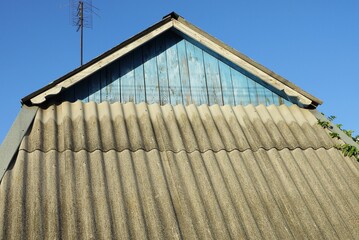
(349, 150)
(356, 139)
(334, 135)
(331, 118)
(349, 133)
(346, 149)
(324, 124)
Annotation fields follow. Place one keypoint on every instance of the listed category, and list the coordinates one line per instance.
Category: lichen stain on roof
(178, 172)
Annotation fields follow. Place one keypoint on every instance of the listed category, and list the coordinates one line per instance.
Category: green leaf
(331, 118)
(348, 132)
(334, 135)
(324, 124)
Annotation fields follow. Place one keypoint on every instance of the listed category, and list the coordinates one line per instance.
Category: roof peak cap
(172, 15)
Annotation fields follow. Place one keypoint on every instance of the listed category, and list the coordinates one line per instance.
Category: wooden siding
(172, 70)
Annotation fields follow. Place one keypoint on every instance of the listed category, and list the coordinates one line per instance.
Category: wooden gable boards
(177, 23)
(170, 69)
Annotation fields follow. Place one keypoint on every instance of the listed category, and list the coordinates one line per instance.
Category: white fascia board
(40, 98)
(240, 62)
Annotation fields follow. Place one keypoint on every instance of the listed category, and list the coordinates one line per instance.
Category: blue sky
(314, 44)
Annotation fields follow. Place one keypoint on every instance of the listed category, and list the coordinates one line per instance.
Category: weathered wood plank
(184, 72)
(127, 78)
(268, 95)
(94, 87)
(240, 88)
(150, 72)
(261, 94)
(140, 93)
(212, 79)
(81, 91)
(197, 74)
(162, 69)
(113, 82)
(104, 88)
(276, 99)
(175, 87)
(227, 86)
(252, 90)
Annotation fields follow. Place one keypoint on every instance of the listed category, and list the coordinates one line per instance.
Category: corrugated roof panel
(165, 195)
(179, 172)
(90, 126)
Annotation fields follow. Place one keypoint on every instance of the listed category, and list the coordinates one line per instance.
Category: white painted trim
(101, 63)
(240, 62)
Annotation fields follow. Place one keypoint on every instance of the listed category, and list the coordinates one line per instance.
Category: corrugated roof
(90, 126)
(172, 172)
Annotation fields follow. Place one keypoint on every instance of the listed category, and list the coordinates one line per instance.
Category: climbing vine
(347, 149)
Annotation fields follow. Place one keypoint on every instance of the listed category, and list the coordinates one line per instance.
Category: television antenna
(81, 17)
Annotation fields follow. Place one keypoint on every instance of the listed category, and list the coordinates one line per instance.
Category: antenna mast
(81, 16)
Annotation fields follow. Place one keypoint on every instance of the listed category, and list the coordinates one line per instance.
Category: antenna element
(81, 16)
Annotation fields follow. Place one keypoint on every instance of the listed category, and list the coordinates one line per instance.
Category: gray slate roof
(179, 172)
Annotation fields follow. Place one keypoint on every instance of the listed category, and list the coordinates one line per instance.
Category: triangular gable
(241, 65)
(171, 70)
